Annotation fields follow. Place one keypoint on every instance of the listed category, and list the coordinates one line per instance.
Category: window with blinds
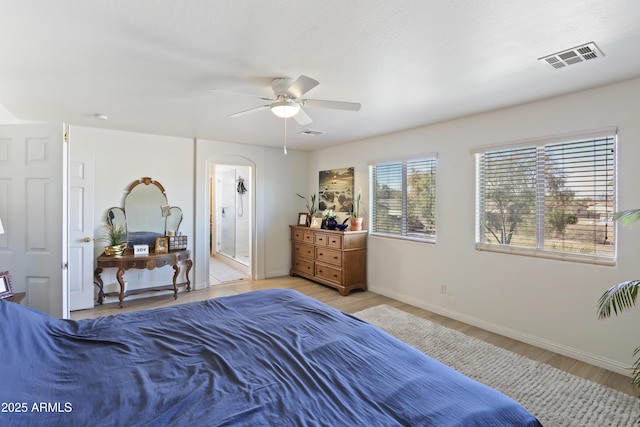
(403, 199)
(553, 199)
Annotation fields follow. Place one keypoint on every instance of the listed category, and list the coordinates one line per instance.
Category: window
(403, 202)
(552, 198)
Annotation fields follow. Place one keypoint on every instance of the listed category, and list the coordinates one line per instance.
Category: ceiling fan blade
(301, 86)
(302, 118)
(241, 94)
(336, 105)
(250, 110)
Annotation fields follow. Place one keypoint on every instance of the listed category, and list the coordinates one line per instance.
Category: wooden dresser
(334, 258)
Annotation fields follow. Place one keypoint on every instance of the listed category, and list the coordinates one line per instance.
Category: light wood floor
(357, 301)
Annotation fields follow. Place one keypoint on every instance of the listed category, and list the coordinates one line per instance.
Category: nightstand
(17, 297)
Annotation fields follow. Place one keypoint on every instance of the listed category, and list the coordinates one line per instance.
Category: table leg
(119, 275)
(96, 275)
(189, 265)
(176, 269)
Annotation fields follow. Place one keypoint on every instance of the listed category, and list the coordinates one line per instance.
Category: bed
(272, 357)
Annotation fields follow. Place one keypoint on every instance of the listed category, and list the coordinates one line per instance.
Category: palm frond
(628, 216)
(618, 298)
(635, 377)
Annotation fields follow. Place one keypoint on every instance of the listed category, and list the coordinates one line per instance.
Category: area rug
(555, 397)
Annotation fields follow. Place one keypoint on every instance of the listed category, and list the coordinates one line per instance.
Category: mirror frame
(166, 212)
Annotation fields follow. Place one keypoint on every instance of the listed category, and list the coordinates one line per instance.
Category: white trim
(408, 157)
(545, 253)
(401, 237)
(559, 138)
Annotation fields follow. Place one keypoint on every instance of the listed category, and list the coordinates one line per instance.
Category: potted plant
(116, 238)
(311, 205)
(356, 219)
(623, 296)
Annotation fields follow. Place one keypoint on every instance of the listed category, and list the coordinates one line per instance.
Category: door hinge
(65, 132)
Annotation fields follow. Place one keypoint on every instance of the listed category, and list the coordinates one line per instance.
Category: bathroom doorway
(231, 221)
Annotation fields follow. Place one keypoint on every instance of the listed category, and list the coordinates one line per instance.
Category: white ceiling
(149, 64)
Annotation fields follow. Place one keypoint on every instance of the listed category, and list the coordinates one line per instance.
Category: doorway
(230, 225)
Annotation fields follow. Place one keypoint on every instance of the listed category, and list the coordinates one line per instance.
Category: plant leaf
(618, 298)
(628, 216)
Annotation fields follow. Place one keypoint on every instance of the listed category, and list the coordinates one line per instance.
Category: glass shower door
(227, 214)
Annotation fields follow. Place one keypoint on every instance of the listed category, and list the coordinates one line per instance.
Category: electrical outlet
(141, 275)
(443, 289)
(112, 278)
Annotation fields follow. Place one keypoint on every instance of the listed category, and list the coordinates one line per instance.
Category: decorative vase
(356, 224)
(115, 250)
(331, 223)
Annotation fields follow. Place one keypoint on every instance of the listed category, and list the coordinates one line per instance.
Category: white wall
(276, 179)
(181, 165)
(549, 303)
(120, 158)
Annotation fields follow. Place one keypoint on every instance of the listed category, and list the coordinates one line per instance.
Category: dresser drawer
(302, 250)
(320, 239)
(297, 235)
(329, 273)
(334, 241)
(303, 266)
(330, 256)
(307, 236)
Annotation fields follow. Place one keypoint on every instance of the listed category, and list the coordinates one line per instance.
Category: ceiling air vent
(311, 132)
(572, 56)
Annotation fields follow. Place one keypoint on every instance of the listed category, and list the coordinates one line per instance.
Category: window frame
(539, 251)
(404, 161)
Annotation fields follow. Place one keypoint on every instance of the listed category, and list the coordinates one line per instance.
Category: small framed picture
(162, 245)
(316, 222)
(5, 285)
(303, 219)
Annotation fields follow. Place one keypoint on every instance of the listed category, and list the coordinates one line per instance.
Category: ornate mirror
(173, 220)
(146, 212)
(115, 216)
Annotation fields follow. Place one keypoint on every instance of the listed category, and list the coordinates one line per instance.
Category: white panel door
(33, 208)
(81, 287)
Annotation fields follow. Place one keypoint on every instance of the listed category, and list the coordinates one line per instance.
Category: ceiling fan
(288, 102)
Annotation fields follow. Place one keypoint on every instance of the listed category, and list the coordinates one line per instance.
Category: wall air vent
(311, 132)
(572, 56)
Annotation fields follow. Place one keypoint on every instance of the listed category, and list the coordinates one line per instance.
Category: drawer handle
(335, 257)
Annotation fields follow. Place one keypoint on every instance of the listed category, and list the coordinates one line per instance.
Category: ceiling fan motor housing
(280, 86)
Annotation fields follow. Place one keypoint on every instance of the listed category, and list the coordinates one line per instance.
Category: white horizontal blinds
(552, 197)
(421, 198)
(579, 196)
(508, 194)
(387, 198)
(404, 198)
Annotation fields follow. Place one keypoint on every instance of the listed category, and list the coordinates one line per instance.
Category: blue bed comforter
(266, 358)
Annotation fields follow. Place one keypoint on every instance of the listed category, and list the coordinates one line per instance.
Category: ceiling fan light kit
(285, 108)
